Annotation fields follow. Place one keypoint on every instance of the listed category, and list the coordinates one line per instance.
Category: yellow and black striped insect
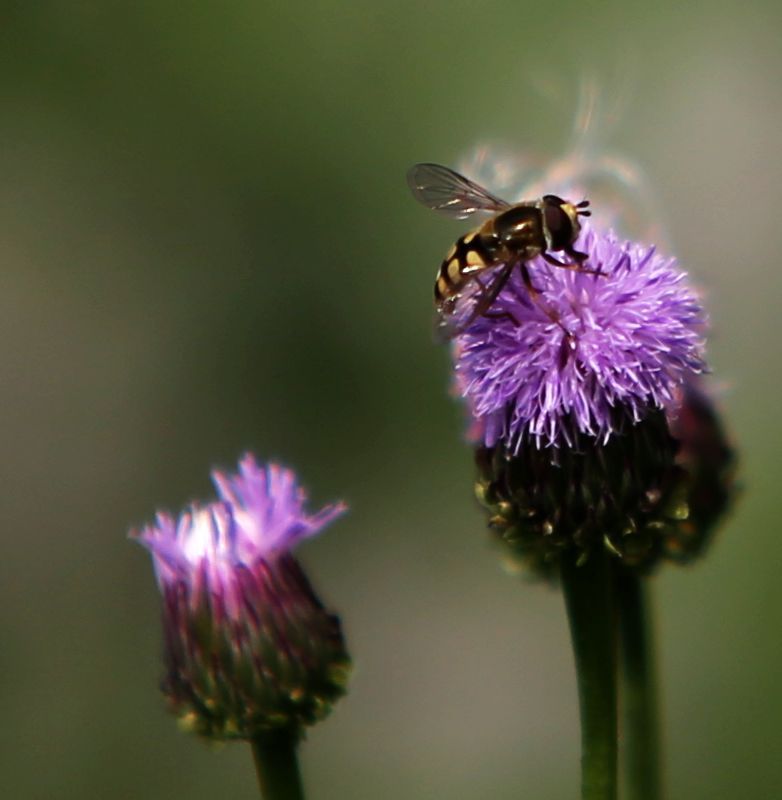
(514, 234)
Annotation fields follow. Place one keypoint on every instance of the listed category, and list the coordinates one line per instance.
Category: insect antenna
(584, 204)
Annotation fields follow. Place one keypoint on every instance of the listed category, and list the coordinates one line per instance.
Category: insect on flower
(512, 236)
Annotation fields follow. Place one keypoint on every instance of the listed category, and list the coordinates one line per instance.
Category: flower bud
(249, 647)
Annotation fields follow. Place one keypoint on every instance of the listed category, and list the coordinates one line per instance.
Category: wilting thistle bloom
(588, 427)
(249, 647)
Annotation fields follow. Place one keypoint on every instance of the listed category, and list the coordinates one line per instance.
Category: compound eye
(556, 219)
(559, 226)
(552, 199)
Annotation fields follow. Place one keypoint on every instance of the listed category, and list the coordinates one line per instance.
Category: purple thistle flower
(259, 514)
(589, 354)
(248, 645)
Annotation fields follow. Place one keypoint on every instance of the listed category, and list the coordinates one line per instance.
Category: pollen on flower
(588, 355)
(248, 645)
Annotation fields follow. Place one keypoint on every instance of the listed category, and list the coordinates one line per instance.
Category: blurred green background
(208, 246)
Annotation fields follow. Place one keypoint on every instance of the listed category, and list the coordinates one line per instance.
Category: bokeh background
(208, 246)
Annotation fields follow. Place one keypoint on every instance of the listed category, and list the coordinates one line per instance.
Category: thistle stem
(277, 766)
(641, 726)
(589, 598)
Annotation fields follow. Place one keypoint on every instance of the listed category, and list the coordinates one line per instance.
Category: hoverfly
(512, 236)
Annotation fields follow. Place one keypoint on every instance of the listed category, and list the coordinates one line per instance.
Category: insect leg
(534, 295)
(502, 315)
(492, 291)
(577, 265)
(488, 294)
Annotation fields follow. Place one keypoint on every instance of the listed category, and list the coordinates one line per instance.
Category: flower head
(248, 645)
(586, 355)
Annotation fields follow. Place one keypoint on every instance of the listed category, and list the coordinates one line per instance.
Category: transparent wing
(444, 190)
(621, 195)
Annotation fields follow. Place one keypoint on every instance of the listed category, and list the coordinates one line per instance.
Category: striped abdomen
(470, 255)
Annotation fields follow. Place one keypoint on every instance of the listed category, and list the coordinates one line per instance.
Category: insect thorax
(520, 231)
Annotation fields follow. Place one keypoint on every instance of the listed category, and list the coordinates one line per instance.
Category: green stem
(639, 690)
(277, 766)
(589, 598)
